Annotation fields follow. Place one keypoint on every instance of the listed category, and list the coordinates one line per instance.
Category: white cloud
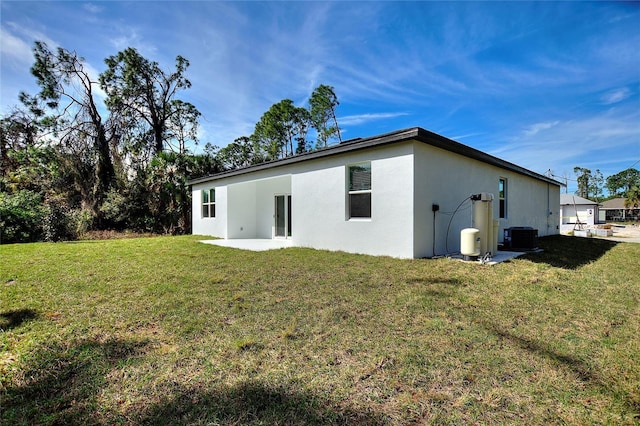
(17, 44)
(92, 8)
(358, 119)
(615, 96)
(129, 36)
(600, 141)
(465, 136)
(534, 129)
(14, 49)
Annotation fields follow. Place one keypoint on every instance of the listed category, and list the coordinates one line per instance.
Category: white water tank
(470, 243)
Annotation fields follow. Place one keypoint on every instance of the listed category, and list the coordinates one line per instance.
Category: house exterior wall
(533, 203)
(447, 179)
(320, 204)
(407, 179)
(267, 189)
(244, 209)
(215, 226)
(242, 221)
(586, 213)
(318, 190)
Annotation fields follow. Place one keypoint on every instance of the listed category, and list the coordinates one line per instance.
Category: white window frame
(351, 192)
(209, 204)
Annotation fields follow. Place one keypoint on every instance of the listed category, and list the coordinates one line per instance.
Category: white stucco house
(577, 211)
(400, 194)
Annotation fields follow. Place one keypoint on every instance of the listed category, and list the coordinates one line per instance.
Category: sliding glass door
(283, 216)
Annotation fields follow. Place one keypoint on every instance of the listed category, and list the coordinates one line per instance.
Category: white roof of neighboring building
(570, 199)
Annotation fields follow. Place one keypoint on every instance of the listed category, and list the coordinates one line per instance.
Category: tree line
(283, 131)
(113, 151)
(625, 184)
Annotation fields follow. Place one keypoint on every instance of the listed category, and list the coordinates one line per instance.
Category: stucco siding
(407, 178)
(242, 222)
(214, 226)
(532, 203)
(320, 212)
(267, 189)
(586, 214)
(446, 179)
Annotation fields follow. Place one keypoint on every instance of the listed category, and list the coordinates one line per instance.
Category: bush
(115, 210)
(81, 222)
(58, 225)
(21, 217)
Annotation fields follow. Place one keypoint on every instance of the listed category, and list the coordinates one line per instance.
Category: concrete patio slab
(252, 244)
(500, 257)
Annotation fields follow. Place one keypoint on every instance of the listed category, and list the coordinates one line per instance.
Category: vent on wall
(520, 238)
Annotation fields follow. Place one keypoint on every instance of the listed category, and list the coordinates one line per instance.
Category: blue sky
(546, 85)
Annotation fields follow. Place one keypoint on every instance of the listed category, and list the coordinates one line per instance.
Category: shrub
(21, 217)
(81, 221)
(58, 225)
(115, 209)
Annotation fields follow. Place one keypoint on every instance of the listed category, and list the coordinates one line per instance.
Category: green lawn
(171, 331)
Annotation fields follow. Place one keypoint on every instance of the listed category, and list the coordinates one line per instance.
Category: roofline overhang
(412, 134)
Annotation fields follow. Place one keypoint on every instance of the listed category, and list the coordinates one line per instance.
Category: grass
(169, 331)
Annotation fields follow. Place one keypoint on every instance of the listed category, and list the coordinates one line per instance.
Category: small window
(502, 197)
(208, 203)
(360, 190)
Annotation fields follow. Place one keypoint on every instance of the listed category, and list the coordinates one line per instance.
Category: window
(502, 197)
(208, 203)
(360, 190)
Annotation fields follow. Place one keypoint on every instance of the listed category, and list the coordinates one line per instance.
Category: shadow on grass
(438, 287)
(574, 364)
(61, 385)
(60, 382)
(253, 403)
(12, 319)
(439, 280)
(566, 252)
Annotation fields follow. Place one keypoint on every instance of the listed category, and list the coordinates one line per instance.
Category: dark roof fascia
(414, 133)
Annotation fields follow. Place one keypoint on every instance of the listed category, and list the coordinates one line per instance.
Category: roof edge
(414, 133)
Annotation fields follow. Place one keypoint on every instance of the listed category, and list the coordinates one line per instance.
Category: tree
(583, 181)
(322, 108)
(143, 95)
(205, 164)
(301, 123)
(589, 184)
(621, 183)
(632, 200)
(67, 89)
(71, 163)
(182, 126)
(279, 127)
(239, 153)
(596, 187)
(18, 132)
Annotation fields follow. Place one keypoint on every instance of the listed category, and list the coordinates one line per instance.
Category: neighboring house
(614, 210)
(400, 194)
(576, 211)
